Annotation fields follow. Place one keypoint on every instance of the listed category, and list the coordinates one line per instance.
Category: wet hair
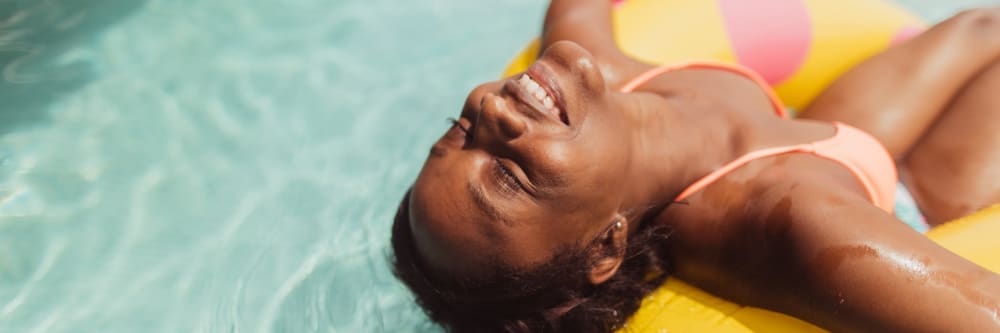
(553, 297)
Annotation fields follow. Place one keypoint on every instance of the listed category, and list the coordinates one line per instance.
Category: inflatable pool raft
(799, 47)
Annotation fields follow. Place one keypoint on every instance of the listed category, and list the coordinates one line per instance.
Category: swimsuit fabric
(858, 152)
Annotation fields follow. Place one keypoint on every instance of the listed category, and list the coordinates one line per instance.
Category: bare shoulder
(792, 239)
(767, 201)
(751, 236)
(805, 197)
(851, 266)
(588, 23)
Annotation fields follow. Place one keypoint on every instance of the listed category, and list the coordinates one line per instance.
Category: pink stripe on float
(904, 34)
(616, 3)
(770, 36)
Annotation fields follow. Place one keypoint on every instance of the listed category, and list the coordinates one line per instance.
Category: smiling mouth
(541, 97)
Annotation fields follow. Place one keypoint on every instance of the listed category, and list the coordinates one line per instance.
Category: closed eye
(508, 180)
(457, 124)
(460, 127)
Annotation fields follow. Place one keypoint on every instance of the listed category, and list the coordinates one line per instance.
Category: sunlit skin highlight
(516, 179)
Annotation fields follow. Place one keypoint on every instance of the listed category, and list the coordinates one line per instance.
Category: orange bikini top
(852, 148)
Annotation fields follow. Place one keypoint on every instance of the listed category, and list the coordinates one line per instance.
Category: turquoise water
(227, 165)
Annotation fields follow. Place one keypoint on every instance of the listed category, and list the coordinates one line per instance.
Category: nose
(491, 115)
(495, 111)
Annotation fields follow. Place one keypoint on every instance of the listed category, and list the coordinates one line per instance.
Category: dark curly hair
(554, 297)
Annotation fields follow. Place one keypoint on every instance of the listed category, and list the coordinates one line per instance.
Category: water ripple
(225, 165)
(52, 253)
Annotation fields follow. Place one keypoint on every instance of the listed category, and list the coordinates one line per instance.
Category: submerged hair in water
(554, 297)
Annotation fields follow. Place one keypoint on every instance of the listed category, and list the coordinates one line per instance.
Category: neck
(676, 142)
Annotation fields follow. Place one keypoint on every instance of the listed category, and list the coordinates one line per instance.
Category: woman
(559, 198)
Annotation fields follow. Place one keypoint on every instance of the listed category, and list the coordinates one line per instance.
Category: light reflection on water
(226, 165)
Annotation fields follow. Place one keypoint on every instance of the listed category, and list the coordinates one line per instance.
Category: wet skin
(794, 233)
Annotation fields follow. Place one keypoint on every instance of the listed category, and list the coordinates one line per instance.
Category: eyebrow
(479, 196)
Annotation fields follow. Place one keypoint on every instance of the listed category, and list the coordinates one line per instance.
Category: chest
(745, 217)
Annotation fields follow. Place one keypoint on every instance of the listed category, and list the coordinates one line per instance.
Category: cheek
(606, 136)
(593, 158)
(553, 164)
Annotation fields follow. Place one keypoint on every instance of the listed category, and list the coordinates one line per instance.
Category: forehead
(454, 234)
(449, 231)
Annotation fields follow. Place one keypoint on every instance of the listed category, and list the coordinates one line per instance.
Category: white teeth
(532, 85)
(538, 92)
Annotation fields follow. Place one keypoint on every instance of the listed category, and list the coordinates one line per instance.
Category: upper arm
(586, 22)
(863, 270)
(897, 94)
(589, 24)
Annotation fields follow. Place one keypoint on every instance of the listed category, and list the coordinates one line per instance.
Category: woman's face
(531, 176)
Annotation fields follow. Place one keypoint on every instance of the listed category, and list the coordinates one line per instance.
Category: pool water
(228, 165)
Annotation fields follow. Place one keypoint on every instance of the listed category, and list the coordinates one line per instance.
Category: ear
(609, 251)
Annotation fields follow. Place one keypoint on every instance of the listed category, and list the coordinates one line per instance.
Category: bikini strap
(729, 167)
(643, 78)
(826, 148)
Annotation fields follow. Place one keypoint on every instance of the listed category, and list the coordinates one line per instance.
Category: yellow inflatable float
(799, 47)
